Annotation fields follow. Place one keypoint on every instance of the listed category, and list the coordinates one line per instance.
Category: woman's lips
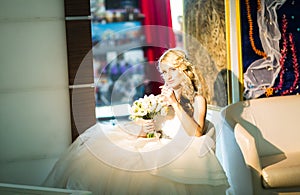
(170, 81)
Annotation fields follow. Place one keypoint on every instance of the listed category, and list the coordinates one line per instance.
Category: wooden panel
(80, 65)
(77, 8)
(79, 45)
(82, 110)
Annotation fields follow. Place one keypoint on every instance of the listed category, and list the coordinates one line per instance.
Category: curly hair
(179, 60)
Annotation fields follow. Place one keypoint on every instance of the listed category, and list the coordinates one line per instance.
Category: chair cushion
(285, 172)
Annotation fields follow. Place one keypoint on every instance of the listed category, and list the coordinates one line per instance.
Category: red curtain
(157, 26)
(158, 31)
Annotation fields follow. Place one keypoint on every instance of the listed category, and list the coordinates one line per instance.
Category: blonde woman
(108, 159)
(181, 91)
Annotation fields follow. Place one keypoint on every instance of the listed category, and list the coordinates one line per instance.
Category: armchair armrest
(247, 145)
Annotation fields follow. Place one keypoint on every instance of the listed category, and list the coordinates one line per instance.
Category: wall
(34, 95)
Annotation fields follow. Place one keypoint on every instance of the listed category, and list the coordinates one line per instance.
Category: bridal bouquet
(147, 108)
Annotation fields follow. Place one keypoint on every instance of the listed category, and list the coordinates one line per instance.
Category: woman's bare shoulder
(200, 99)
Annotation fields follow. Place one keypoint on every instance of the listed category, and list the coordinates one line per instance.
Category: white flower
(164, 111)
(148, 107)
(153, 105)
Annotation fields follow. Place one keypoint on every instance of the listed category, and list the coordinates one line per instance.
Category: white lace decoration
(262, 73)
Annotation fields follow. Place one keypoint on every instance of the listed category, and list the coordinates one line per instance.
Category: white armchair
(267, 132)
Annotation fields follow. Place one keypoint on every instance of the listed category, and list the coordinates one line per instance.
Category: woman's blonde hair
(179, 60)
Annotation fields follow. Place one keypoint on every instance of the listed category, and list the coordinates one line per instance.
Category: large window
(119, 61)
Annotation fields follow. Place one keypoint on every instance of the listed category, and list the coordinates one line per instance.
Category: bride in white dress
(120, 159)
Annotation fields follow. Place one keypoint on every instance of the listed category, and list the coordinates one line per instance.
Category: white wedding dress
(108, 159)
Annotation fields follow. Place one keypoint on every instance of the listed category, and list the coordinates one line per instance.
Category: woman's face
(172, 77)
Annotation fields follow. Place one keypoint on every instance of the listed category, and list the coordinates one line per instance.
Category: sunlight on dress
(107, 160)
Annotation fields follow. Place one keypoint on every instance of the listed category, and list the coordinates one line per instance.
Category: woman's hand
(147, 127)
(169, 94)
